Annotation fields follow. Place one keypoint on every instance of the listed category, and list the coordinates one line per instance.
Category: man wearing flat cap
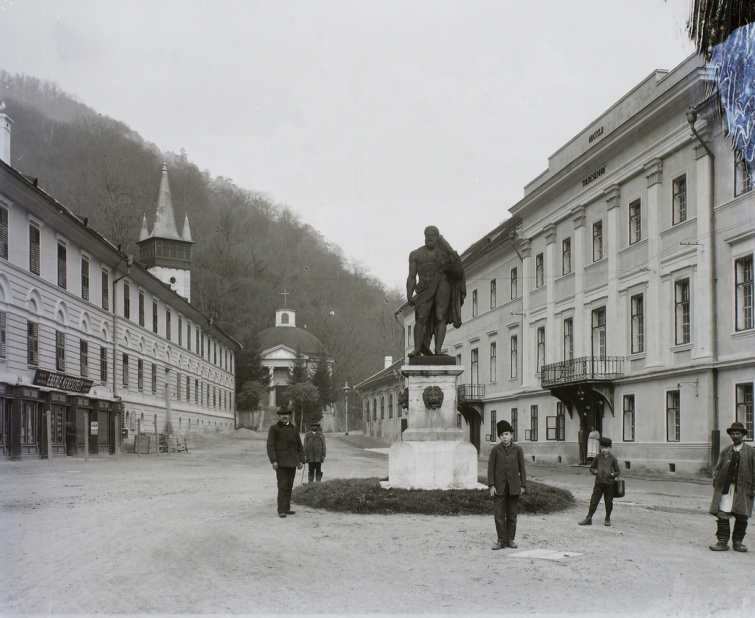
(733, 490)
(507, 479)
(286, 454)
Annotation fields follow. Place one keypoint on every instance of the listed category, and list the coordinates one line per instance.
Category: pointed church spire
(165, 222)
(186, 231)
(145, 230)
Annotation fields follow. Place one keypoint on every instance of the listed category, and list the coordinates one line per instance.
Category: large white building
(619, 294)
(93, 336)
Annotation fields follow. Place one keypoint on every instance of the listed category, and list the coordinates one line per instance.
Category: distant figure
(582, 438)
(286, 453)
(605, 467)
(507, 478)
(593, 443)
(436, 289)
(314, 452)
(733, 489)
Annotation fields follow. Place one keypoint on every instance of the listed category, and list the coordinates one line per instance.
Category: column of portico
(655, 310)
(551, 268)
(525, 345)
(271, 398)
(704, 311)
(581, 336)
(615, 330)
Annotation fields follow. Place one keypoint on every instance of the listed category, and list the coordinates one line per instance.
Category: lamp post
(346, 389)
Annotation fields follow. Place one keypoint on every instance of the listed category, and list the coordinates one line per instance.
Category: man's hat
(502, 426)
(284, 410)
(606, 442)
(315, 426)
(737, 426)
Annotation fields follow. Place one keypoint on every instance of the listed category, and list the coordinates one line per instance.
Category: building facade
(383, 416)
(92, 339)
(619, 295)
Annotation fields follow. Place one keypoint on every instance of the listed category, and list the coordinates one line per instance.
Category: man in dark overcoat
(286, 454)
(507, 478)
(314, 452)
(733, 489)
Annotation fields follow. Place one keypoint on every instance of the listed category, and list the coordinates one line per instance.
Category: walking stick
(302, 474)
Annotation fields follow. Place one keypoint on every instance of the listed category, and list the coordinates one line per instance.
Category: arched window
(374, 409)
(382, 407)
(390, 405)
(284, 318)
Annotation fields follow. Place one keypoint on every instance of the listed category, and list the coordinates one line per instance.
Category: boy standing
(605, 467)
(507, 479)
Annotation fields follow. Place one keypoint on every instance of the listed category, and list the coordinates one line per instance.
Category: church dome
(292, 337)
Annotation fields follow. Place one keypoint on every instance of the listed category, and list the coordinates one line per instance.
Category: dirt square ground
(197, 533)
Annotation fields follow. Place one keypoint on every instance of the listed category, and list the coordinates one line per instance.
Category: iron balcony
(584, 369)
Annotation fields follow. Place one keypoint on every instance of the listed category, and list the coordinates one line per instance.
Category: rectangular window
(60, 351)
(635, 222)
(638, 323)
(475, 366)
(3, 233)
(673, 416)
(533, 423)
(215, 352)
(539, 271)
(742, 180)
(599, 333)
(744, 408)
(514, 284)
(84, 278)
(568, 339)
(474, 303)
(492, 294)
(126, 300)
(743, 293)
(3, 348)
(178, 386)
(154, 316)
(680, 199)
(540, 340)
(103, 364)
(32, 343)
(188, 335)
(196, 340)
(140, 374)
(560, 422)
(514, 353)
(34, 249)
(180, 330)
(62, 266)
(566, 256)
(515, 423)
(681, 311)
(493, 430)
(188, 388)
(196, 390)
(493, 362)
(84, 358)
(105, 290)
(141, 308)
(153, 378)
(628, 418)
(125, 370)
(597, 241)
(167, 324)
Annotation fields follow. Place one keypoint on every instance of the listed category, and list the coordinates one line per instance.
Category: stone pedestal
(433, 453)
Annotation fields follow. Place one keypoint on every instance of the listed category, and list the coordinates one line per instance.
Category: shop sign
(50, 379)
(95, 428)
(593, 176)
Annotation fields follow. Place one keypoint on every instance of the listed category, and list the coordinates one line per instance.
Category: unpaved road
(198, 533)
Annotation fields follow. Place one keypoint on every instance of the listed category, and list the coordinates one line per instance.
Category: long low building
(619, 293)
(91, 339)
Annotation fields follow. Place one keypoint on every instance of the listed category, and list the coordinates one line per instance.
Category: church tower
(164, 252)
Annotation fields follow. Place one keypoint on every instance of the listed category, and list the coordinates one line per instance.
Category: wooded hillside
(248, 248)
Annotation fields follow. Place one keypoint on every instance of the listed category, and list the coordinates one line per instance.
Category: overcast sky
(371, 119)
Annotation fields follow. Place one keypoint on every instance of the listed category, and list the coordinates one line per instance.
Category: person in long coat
(286, 454)
(733, 490)
(314, 452)
(507, 479)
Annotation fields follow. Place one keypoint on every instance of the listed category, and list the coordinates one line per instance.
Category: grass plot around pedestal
(366, 496)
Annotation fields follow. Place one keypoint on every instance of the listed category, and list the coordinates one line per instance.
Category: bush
(366, 496)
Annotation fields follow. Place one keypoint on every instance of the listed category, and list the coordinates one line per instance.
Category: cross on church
(285, 294)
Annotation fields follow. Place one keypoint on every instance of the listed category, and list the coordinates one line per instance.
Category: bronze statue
(436, 289)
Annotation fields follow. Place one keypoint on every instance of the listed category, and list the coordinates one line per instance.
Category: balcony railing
(585, 369)
(471, 391)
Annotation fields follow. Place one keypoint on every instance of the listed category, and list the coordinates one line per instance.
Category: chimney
(5, 123)
(387, 362)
